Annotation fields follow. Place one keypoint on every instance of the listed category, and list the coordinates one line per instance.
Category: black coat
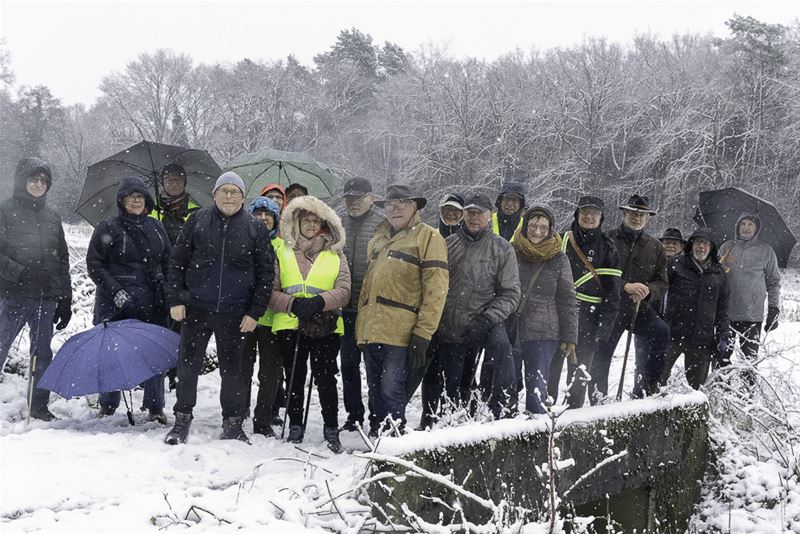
(114, 263)
(697, 302)
(222, 265)
(31, 235)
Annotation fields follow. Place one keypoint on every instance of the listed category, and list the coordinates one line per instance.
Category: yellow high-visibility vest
(603, 271)
(159, 214)
(496, 226)
(266, 319)
(322, 277)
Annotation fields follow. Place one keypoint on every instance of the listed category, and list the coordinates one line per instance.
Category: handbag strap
(534, 275)
(584, 260)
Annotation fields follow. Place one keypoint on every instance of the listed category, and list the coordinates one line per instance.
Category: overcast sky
(69, 46)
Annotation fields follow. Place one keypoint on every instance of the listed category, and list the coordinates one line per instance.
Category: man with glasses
(173, 205)
(401, 302)
(510, 204)
(35, 285)
(360, 218)
(220, 281)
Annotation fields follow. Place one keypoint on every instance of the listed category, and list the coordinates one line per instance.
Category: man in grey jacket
(359, 218)
(753, 276)
(484, 291)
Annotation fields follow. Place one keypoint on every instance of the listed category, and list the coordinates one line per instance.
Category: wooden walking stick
(627, 349)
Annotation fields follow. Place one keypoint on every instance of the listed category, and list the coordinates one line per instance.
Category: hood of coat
(511, 188)
(539, 210)
(28, 167)
(133, 184)
(275, 187)
(708, 235)
(333, 229)
(266, 203)
(753, 217)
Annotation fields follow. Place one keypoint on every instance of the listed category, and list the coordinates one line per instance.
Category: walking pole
(308, 401)
(291, 382)
(627, 349)
(34, 350)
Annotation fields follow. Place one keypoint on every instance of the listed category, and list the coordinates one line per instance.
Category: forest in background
(661, 117)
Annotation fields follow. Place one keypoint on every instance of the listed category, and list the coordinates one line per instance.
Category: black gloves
(305, 308)
(124, 300)
(417, 350)
(63, 314)
(34, 278)
(772, 319)
(477, 329)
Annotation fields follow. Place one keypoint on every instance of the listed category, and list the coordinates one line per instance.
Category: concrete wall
(640, 462)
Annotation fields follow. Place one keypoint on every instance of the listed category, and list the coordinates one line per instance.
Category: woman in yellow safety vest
(270, 365)
(312, 284)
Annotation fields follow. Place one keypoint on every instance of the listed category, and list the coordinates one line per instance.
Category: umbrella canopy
(146, 159)
(258, 169)
(111, 357)
(720, 209)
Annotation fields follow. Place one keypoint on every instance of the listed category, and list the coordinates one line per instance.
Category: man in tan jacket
(401, 301)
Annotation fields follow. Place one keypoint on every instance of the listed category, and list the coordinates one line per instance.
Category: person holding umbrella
(312, 284)
(220, 279)
(753, 274)
(127, 258)
(35, 284)
(173, 205)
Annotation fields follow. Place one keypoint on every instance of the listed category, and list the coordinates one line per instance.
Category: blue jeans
(537, 356)
(37, 313)
(350, 356)
(387, 366)
(153, 395)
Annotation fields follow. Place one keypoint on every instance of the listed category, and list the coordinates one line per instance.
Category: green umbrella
(258, 169)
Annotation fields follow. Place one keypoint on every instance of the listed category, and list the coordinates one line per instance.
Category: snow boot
(43, 414)
(295, 434)
(331, 436)
(232, 429)
(106, 410)
(179, 432)
(158, 416)
(351, 425)
(264, 430)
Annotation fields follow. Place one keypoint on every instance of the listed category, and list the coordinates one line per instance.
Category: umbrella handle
(128, 407)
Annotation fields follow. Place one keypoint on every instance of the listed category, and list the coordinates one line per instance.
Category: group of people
(286, 281)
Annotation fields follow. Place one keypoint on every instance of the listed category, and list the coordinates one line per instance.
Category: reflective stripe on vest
(603, 271)
(496, 227)
(266, 319)
(322, 277)
(159, 214)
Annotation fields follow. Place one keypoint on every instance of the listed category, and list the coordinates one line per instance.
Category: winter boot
(331, 436)
(351, 425)
(106, 410)
(264, 430)
(232, 429)
(158, 416)
(179, 432)
(295, 434)
(43, 414)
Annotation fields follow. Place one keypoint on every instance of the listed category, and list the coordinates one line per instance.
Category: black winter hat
(173, 169)
(511, 188)
(134, 184)
(28, 167)
(589, 201)
(478, 201)
(357, 187)
(674, 234)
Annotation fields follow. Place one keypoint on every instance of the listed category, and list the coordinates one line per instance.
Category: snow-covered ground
(83, 474)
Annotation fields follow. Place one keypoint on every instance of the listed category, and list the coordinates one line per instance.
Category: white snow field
(84, 474)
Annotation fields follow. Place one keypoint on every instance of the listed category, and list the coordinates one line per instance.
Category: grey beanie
(229, 177)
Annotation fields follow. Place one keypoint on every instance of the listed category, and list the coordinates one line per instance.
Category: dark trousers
(153, 399)
(387, 366)
(537, 357)
(196, 331)
(350, 356)
(577, 374)
(748, 334)
(270, 373)
(696, 358)
(443, 377)
(37, 313)
(649, 366)
(322, 353)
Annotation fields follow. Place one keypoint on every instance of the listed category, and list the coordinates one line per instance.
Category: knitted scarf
(536, 252)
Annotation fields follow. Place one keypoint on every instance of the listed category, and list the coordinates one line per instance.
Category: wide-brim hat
(638, 203)
(400, 192)
(674, 234)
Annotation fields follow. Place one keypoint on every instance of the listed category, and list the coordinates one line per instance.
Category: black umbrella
(146, 159)
(720, 209)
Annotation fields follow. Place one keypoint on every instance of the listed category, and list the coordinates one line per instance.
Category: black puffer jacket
(31, 235)
(697, 304)
(114, 262)
(222, 264)
(359, 230)
(642, 259)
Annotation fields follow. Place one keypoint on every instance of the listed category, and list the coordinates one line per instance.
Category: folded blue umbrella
(111, 356)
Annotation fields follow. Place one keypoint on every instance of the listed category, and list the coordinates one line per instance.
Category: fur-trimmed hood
(290, 222)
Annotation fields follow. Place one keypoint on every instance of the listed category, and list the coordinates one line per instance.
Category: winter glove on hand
(477, 329)
(38, 279)
(63, 314)
(417, 352)
(568, 349)
(122, 299)
(305, 308)
(772, 319)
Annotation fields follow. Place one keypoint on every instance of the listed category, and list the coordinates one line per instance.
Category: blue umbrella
(111, 357)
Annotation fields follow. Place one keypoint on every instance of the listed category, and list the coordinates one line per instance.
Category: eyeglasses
(398, 204)
(230, 193)
(311, 221)
(37, 179)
